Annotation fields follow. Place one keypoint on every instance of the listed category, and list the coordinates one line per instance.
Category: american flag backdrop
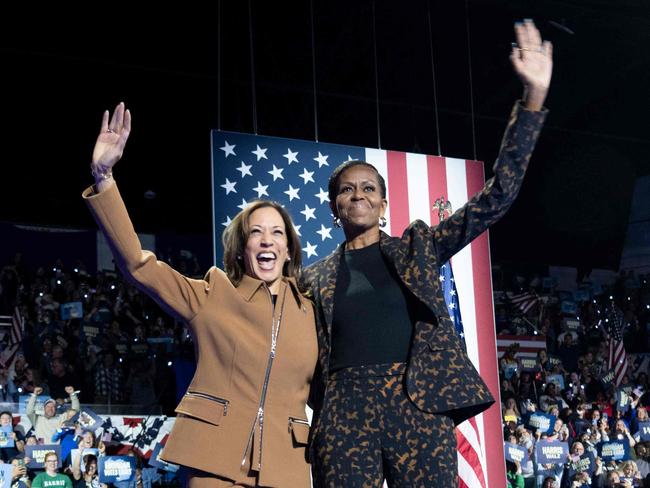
(293, 172)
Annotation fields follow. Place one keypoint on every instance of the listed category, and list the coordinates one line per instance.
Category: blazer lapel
(328, 286)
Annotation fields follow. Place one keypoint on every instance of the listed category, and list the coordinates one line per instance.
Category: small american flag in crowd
(616, 358)
(524, 301)
(16, 325)
(295, 173)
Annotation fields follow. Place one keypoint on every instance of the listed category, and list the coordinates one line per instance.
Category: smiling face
(266, 249)
(359, 201)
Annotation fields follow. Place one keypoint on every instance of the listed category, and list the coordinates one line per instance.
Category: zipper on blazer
(212, 398)
(259, 418)
(296, 420)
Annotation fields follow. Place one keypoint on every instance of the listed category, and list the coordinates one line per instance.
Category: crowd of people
(587, 400)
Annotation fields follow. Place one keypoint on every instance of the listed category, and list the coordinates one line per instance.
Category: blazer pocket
(299, 429)
(203, 406)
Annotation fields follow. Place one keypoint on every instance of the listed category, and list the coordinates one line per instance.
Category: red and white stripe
(529, 346)
(414, 182)
(617, 359)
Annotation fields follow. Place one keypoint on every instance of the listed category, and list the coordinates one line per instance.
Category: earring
(382, 222)
(288, 259)
(239, 258)
(336, 222)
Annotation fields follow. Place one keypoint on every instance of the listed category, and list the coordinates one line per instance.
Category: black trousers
(369, 430)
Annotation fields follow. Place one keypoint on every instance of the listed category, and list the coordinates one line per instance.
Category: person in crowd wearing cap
(46, 425)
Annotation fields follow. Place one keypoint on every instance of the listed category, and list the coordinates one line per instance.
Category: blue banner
(544, 422)
(37, 453)
(551, 452)
(616, 450)
(116, 468)
(515, 452)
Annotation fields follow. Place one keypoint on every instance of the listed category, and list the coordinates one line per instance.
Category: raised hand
(111, 140)
(69, 390)
(38, 390)
(532, 60)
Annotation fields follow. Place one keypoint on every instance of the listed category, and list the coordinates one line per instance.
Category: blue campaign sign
(6, 473)
(616, 450)
(515, 452)
(37, 454)
(539, 420)
(116, 468)
(87, 419)
(569, 307)
(551, 452)
(644, 431)
(6, 440)
(155, 460)
(72, 310)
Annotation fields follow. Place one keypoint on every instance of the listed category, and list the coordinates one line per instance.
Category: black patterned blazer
(440, 377)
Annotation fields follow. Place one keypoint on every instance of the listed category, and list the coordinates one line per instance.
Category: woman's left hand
(532, 60)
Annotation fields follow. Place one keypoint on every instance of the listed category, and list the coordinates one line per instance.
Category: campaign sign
(155, 460)
(622, 401)
(558, 379)
(644, 431)
(6, 439)
(554, 361)
(569, 307)
(116, 468)
(581, 295)
(515, 453)
(37, 454)
(6, 474)
(571, 325)
(551, 452)
(616, 450)
(544, 422)
(40, 401)
(72, 310)
(583, 463)
(529, 364)
(87, 419)
(608, 379)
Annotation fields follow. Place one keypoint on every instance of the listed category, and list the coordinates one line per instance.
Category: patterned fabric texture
(370, 430)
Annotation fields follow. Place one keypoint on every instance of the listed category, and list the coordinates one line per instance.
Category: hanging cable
(471, 83)
(253, 98)
(218, 64)
(374, 44)
(313, 69)
(433, 80)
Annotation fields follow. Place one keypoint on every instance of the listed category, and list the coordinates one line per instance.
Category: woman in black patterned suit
(392, 377)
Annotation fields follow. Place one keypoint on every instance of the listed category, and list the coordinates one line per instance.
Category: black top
(373, 313)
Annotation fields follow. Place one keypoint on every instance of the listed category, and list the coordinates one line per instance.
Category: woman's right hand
(111, 140)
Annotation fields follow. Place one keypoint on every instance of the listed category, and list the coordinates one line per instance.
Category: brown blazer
(218, 422)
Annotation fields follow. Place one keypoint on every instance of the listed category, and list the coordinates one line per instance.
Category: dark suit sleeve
(492, 202)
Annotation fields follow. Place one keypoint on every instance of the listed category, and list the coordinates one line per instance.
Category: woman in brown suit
(242, 421)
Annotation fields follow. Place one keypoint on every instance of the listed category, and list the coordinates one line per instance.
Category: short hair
(333, 182)
(235, 236)
(50, 453)
(7, 412)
